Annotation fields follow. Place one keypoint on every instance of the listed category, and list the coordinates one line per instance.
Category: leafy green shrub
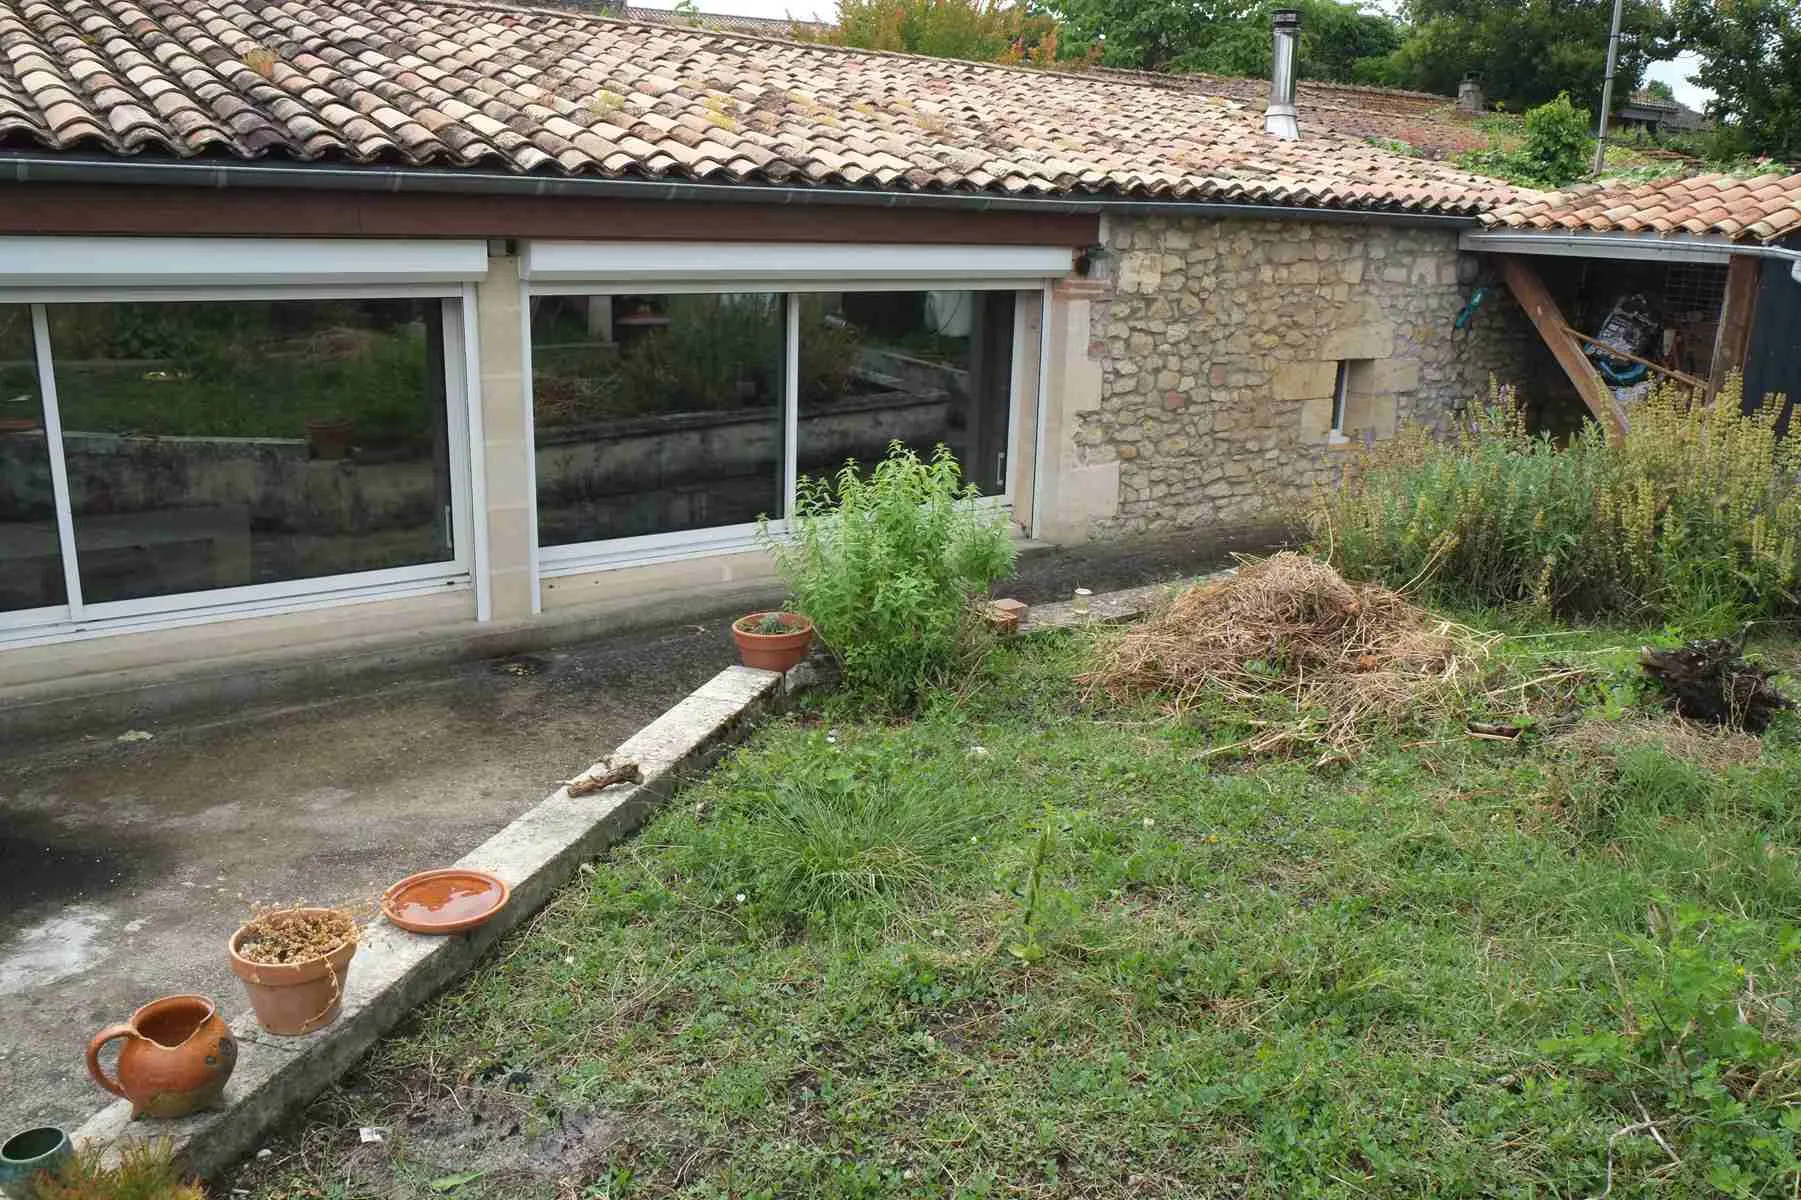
(1695, 517)
(1554, 154)
(1701, 1067)
(886, 566)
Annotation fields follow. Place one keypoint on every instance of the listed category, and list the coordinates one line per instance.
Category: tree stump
(1711, 681)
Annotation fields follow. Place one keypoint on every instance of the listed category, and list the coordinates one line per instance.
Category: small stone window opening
(1352, 396)
(1336, 433)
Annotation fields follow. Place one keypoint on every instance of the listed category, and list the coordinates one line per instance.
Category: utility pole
(1613, 54)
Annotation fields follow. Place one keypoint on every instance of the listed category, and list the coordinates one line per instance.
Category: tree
(1226, 37)
(979, 30)
(1525, 52)
(1751, 59)
(1657, 89)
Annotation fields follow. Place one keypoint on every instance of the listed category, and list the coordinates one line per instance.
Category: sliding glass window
(656, 414)
(925, 369)
(31, 564)
(217, 445)
(673, 414)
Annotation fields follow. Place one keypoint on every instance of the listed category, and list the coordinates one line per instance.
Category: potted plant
(772, 641)
(330, 437)
(294, 962)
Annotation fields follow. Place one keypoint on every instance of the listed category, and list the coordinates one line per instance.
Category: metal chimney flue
(1279, 119)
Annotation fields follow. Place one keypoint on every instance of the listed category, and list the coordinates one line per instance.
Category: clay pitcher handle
(100, 1039)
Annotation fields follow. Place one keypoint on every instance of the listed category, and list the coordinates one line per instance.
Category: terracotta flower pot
(330, 438)
(292, 999)
(176, 1061)
(772, 651)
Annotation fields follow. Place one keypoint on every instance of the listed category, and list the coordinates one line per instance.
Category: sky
(1676, 73)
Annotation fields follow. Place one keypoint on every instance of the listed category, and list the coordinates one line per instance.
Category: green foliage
(979, 30)
(715, 353)
(1699, 1065)
(841, 832)
(886, 565)
(1229, 37)
(1657, 89)
(1750, 54)
(1695, 517)
(1526, 52)
(146, 1170)
(1554, 154)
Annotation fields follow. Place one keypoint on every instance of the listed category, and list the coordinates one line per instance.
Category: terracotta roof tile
(1764, 207)
(447, 83)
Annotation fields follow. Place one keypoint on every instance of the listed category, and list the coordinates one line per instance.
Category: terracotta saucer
(447, 900)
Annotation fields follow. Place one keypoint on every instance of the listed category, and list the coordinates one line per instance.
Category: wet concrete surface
(125, 865)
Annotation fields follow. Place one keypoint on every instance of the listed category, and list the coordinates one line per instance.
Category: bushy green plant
(1694, 517)
(145, 1170)
(886, 564)
(1554, 154)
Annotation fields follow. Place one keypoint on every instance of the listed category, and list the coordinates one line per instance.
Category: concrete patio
(125, 861)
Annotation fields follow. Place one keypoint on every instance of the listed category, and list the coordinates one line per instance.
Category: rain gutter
(1643, 247)
(59, 168)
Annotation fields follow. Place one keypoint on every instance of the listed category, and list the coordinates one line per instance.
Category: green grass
(1430, 974)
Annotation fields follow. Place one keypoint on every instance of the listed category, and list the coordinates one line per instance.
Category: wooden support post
(1536, 299)
(1733, 340)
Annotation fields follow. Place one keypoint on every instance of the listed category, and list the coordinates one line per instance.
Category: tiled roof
(1430, 124)
(1762, 207)
(774, 27)
(449, 84)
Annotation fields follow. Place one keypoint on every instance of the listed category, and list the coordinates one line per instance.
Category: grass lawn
(1457, 968)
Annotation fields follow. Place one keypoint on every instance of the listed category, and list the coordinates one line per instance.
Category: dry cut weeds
(284, 936)
(1354, 660)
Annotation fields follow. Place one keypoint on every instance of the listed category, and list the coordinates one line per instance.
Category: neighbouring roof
(1430, 124)
(438, 83)
(1761, 207)
(775, 27)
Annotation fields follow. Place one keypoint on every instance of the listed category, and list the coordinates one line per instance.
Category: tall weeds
(1694, 518)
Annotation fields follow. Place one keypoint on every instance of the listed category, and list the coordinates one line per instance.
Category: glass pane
(31, 563)
(656, 414)
(922, 368)
(213, 445)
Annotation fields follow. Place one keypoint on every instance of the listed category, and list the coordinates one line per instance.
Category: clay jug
(176, 1059)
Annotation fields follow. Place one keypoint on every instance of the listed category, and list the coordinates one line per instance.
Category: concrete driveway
(126, 862)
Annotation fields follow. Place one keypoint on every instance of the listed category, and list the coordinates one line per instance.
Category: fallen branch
(587, 783)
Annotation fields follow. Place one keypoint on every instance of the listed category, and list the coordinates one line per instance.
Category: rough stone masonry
(1220, 346)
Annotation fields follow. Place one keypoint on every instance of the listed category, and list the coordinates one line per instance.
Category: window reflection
(31, 567)
(214, 445)
(922, 368)
(656, 413)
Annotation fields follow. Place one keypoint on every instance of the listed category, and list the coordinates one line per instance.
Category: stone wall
(1219, 344)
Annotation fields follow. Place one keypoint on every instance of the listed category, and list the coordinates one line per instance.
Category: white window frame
(676, 268)
(115, 270)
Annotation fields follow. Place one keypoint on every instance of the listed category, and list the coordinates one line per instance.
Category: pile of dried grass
(1708, 746)
(1353, 659)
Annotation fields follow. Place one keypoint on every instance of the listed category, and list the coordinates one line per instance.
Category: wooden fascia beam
(1733, 340)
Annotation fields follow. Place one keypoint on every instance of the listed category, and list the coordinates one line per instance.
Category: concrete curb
(394, 971)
